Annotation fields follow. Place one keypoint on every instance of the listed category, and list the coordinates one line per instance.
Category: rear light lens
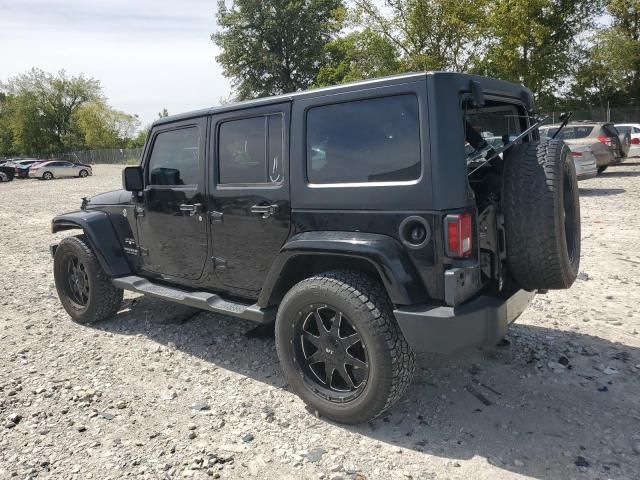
(576, 154)
(459, 231)
(606, 140)
(635, 141)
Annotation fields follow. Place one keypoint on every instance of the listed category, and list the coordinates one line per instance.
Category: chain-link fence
(130, 156)
(603, 113)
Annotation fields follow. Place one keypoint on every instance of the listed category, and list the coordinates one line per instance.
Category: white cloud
(148, 55)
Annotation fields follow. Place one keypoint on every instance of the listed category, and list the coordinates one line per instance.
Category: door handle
(265, 210)
(190, 209)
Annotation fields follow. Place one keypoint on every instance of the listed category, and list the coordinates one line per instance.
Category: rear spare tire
(542, 215)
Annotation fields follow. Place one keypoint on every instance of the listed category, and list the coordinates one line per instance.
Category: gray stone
(315, 455)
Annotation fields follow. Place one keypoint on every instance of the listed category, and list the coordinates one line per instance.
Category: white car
(633, 129)
(59, 169)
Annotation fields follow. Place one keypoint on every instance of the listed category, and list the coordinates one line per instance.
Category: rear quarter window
(363, 141)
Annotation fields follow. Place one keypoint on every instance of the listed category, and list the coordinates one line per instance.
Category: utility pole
(608, 112)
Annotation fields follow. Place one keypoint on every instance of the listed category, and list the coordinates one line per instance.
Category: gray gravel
(159, 392)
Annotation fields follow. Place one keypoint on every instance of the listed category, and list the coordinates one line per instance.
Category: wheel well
(305, 266)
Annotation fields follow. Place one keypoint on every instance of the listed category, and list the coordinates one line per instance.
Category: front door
(250, 209)
(172, 226)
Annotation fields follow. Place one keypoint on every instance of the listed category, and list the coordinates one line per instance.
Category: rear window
(569, 133)
(373, 140)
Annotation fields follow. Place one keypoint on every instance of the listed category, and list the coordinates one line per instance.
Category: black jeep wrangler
(369, 221)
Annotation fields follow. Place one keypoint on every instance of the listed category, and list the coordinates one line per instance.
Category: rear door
(250, 209)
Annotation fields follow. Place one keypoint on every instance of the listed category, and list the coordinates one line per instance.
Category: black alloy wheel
(77, 288)
(331, 353)
(84, 173)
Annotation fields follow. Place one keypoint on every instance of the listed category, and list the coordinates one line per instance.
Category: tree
(274, 46)
(428, 34)
(535, 42)
(358, 55)
(41, 106)
(101, 126)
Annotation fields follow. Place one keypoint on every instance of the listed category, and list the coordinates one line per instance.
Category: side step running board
(202, 300)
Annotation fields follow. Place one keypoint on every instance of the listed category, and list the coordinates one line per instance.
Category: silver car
(59, 169)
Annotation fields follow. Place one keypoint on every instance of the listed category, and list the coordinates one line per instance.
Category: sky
(147, 54)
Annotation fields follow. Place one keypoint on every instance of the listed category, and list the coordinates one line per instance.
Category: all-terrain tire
(365, 303)
(542, 215)
(103, 299)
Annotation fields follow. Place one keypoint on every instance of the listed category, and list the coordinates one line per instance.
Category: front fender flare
(101, 236)
(397, 272)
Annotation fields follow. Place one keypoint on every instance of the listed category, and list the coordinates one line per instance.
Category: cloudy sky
(147, 54)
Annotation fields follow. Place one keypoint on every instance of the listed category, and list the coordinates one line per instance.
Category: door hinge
(138, 211)
(219, 263)
(216, 217)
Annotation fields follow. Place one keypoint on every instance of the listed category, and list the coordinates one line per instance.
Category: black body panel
(101, 235)
(383, 253)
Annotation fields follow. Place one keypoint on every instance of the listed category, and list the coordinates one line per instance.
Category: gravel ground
(162, 391)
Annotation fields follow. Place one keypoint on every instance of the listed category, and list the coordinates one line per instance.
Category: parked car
(59, 169)
(333, 214)
(585, 161)
(602, 137)
(7, 173)
(22, 166)
(633, 129)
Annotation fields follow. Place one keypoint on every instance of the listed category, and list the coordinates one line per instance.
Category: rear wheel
(85, 290)
(602, 169)
(341, 348)
(47, 176)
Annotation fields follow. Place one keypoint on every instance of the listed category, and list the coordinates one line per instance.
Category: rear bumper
(480, 322)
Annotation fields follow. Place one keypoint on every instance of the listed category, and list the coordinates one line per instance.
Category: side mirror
(132, 179)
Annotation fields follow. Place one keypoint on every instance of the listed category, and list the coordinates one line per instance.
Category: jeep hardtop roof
(462, 80)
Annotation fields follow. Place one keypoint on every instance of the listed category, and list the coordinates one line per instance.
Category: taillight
(606, 140)
(576, 154)
(459, 233)
(635, 141)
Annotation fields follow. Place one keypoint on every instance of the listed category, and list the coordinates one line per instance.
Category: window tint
(175, 158)
(374, 140)
(251, 150)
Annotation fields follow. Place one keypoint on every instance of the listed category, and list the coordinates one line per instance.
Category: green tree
(274, 46)
(41, 106)
(358, 55)
(536, 42)
(428, 34)
(100, 126)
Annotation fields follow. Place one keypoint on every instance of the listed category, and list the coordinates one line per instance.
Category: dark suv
(369, 221)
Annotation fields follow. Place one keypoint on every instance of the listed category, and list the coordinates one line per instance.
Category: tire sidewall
(66, 248)
(379, 380)
(84, 173)
(47, 176)
(566, 167)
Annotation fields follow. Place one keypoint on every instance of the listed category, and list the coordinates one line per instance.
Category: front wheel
(340, 346)
(84, 173)
(85, 290)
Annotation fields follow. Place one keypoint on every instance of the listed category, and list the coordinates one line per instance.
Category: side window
(373, 140)
(175, 158)
(251, 150)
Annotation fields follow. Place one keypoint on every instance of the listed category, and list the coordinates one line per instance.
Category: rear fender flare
(101, 236)
(385, 254)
